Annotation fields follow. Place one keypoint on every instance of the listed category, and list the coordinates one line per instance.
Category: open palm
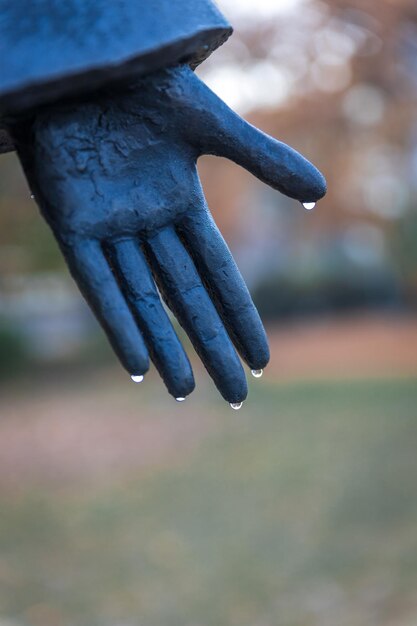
(116, 179)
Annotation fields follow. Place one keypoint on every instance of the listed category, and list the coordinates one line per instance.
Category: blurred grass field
(299, 510)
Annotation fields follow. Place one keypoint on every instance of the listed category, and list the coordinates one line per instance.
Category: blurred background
(120, 507)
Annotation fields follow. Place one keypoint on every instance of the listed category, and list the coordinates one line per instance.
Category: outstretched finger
(99, 287)
(225, 285)
(184, 293)
(163, 344)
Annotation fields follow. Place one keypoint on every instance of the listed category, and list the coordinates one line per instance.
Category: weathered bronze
(114, 174)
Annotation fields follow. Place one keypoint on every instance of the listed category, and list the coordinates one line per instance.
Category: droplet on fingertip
(137, 378)
(236, 405)
(257, 373)
(180, 399)
(32, 196)
(309, 205)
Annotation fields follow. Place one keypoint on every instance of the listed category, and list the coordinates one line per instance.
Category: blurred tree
(338, 80)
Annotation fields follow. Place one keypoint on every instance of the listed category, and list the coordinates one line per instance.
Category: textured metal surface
(50, 49)
(115, 177)
(6, 142)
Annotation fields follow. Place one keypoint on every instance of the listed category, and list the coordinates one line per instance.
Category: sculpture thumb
(218, 130)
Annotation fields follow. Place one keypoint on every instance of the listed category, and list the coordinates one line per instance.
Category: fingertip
(135, 364)
(180, 386)
(235, 389)
(134, 357)
(260, 359)
(302, 180)
(314, 185)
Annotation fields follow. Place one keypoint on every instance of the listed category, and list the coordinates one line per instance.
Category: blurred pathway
(96, 427)
(356, 347)
(94, 430)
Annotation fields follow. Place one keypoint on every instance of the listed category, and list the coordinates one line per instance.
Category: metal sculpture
(114, 174)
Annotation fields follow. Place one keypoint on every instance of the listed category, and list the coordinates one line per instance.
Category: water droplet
(32, 196)
(137, 378)
(309, 205)
(236, 405)
(257, 373)
(180, 399)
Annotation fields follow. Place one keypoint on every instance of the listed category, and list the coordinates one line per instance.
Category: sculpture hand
(116, 179)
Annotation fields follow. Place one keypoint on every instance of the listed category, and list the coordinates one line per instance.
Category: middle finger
(185, 294)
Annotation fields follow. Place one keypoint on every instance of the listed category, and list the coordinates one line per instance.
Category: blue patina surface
(108, 117)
